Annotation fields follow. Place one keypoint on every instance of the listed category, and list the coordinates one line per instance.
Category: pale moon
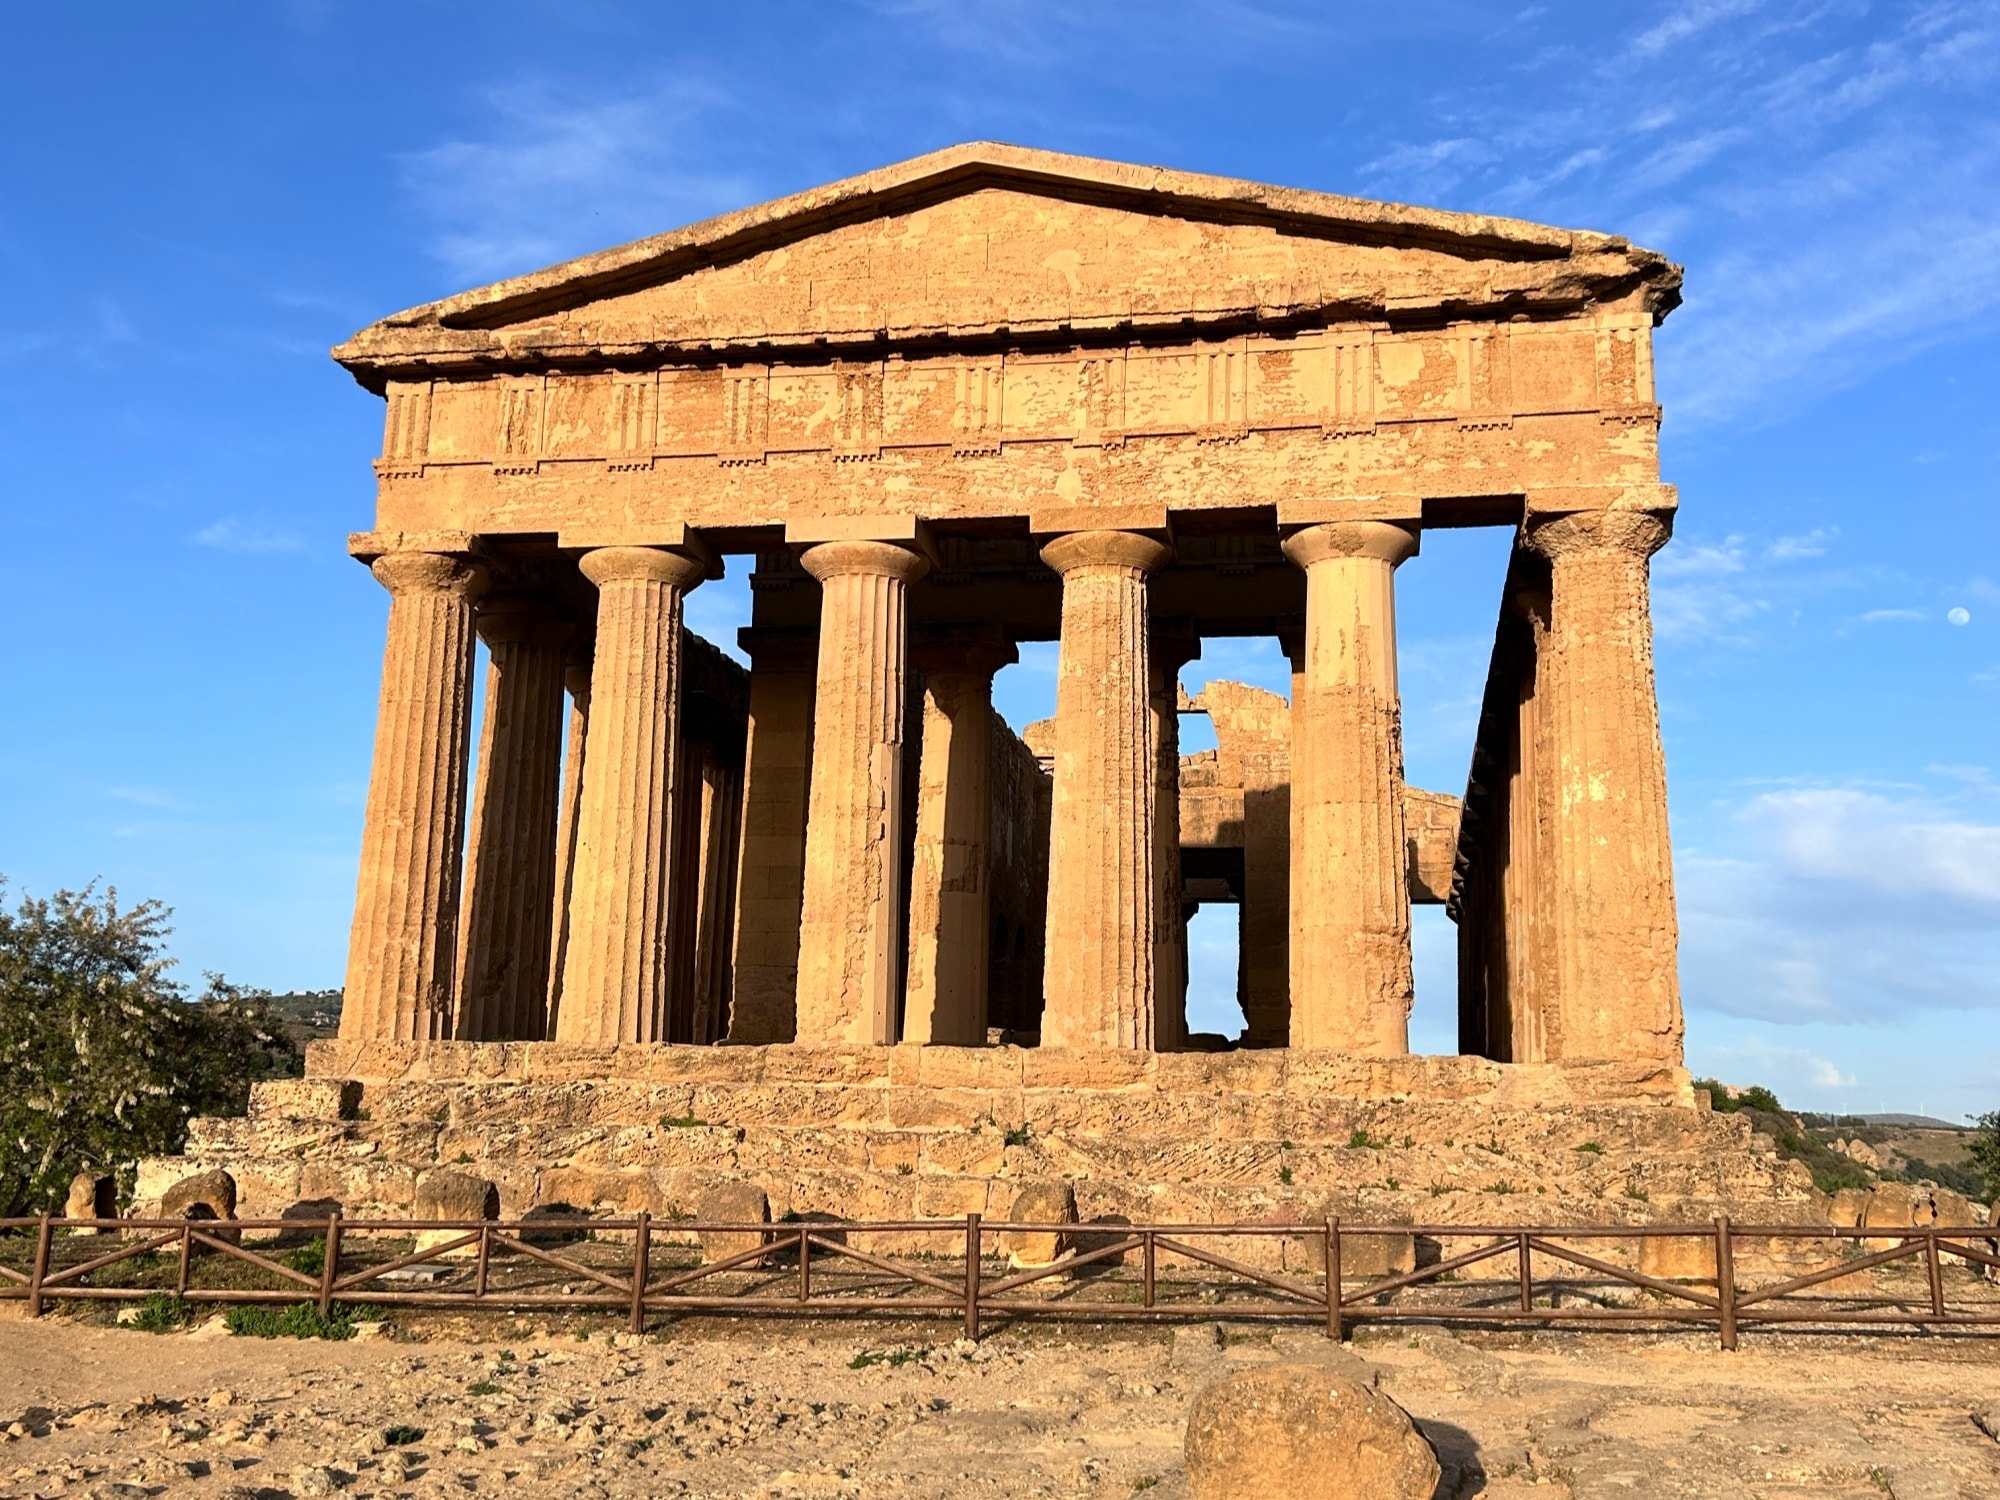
(1960, 616)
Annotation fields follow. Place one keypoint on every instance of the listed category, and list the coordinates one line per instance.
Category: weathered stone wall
(897, 1132)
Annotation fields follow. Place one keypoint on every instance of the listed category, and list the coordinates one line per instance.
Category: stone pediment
(986, 241)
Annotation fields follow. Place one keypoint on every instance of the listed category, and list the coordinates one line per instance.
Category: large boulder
(1290, 1429)
(1039, 1203)
(733, 1202)
(92, 1195)
(449, 1197)
(206, 1197)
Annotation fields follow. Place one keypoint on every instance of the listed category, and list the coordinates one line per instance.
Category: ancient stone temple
(988, 396)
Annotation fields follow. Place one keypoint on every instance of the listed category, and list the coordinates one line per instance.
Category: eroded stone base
(919, 1132)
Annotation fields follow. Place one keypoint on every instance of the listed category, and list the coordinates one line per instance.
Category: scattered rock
(92, 1195)
(1039, 1203)
(205, 1196)
(733, 1202)
(450, 1197)
(1300, 1430)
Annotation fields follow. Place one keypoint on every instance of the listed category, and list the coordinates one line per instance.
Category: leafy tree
(1984, 1151)
(103, 1058)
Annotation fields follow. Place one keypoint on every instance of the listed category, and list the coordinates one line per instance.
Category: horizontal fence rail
(981, 1274)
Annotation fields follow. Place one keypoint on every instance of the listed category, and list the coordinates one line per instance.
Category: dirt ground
(845, 1409)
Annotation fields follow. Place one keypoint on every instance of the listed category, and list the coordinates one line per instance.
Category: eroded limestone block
(1301, 1430)
(1039, 1203)
(206, 1195)
(1363, 1255)
(451, 1197)
(1676, 1257)
(305, 1099)
(1847, 1207)
(733, 1203)
(92, 1195)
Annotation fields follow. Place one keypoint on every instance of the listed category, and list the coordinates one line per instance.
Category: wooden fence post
(1725, 1280)
(1935, 1272)
(40, 1268)
(1526, 1273)
(1331, 1261)
(329, 1268)
(642, 1269)
(972, 1248)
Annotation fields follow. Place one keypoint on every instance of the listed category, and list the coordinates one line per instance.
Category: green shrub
(301, 1320)
(1984, 1152)
(162, 1313)
(401, 1436)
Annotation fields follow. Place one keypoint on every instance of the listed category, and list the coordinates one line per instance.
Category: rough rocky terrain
(866, 1409)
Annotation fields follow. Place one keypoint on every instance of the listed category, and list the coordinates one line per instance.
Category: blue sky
(196, 201)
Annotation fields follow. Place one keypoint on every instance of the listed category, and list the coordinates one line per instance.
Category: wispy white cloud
(1830, 176)
(235, 534)
(551, 175)
(1893, 616)
(1847, 903)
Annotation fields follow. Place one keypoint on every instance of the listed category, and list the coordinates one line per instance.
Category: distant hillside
(309, 1015)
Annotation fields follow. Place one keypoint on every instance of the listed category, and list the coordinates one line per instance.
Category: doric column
(1530, 981)
(510, 870)
(576, 682)
(615, 976)
(1167, 651)
(945, 998)
(1609, 869)
(404, 939)
(770, 880)
(1350, 959)
(1098, 979)
(850, 932)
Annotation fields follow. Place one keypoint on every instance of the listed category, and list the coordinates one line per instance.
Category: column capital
(1172, 643)
(1636, 533)
(511, 617)
(779, 650)
(453, 573)
(679, 570)
(961, 649)
(1106, 549)
(840, 559)
(1382, 541)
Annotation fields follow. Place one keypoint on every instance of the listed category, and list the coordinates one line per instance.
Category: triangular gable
(987, 239)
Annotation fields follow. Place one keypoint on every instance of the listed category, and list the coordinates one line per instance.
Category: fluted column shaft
(576, 682)
(511, 867)
(945, 999)
(1099, 977)
(770, 879)
(850, 933)
(1609, 869)
(402, 947)
(1166, 655)
(615, 973)
(1350, 953)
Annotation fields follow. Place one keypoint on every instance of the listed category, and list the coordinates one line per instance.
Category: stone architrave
(1609, 872)
(615, 978)
(945, 995)
(403, 944)
(1167, 652)
(850, 931)
(770, 880)
(1099, 975)
(1352, 984)
(510, 870)
(576, 682)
